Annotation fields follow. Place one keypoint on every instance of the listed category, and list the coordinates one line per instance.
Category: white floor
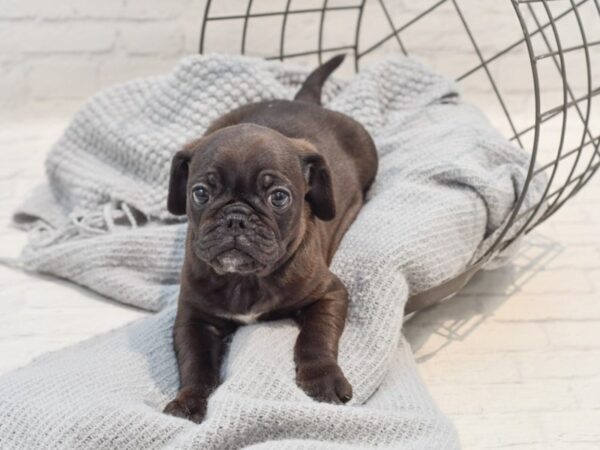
(514, 360)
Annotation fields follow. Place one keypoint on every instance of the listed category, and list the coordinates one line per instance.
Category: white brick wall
(53, 54)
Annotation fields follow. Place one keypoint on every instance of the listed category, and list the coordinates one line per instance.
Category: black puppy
(269, 191)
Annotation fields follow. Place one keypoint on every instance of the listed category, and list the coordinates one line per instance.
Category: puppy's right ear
(180, 168)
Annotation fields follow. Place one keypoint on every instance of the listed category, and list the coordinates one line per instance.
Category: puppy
(269, 191)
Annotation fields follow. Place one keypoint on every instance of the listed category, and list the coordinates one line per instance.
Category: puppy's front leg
(316, 351)
(199, 347)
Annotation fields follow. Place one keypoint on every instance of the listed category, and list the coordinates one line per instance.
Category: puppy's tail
(310, 92)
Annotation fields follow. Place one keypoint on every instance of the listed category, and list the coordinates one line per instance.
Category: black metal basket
(540, 60)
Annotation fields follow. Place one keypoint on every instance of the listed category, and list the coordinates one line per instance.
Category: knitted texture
(446, 185)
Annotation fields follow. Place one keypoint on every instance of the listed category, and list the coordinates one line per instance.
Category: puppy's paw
(325, 382)
(187, 405)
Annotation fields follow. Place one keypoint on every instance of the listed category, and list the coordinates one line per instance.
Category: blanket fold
(446, 185)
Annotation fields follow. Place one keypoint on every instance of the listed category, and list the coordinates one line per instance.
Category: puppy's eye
(200, 194)
(280, 198)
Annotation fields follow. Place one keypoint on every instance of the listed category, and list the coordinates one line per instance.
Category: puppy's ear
(318, 177)
(180, 166)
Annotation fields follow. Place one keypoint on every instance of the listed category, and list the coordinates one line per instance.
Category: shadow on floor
(458, 317)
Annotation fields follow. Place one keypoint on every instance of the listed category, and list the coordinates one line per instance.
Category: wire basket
(535, 71)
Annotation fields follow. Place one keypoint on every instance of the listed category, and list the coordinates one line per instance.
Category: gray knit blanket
(446, 185)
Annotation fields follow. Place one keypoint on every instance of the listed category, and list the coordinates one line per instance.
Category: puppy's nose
(236, 217)
(236, 221)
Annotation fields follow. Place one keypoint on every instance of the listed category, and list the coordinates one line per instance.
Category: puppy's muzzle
(236, 240)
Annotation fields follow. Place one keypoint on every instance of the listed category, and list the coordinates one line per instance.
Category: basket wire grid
(558, 41)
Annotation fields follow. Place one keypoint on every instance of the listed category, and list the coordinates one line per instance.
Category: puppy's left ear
(318, 177)
(180, 167)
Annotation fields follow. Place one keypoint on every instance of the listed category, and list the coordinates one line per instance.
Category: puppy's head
(248, 191)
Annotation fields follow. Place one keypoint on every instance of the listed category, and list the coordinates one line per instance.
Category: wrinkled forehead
(243, 153)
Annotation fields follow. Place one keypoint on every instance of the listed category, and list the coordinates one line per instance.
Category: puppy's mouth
(235, 261)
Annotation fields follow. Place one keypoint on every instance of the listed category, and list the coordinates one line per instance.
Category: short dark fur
(245, 256)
